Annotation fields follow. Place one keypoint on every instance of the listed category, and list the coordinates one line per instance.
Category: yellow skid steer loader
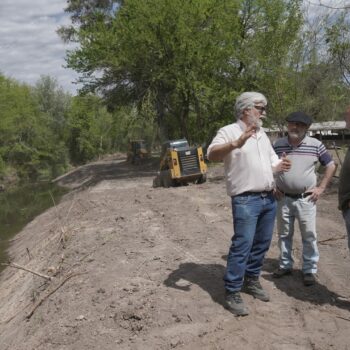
(180, 164)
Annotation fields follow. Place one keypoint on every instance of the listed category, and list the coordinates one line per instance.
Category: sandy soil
(136, 267)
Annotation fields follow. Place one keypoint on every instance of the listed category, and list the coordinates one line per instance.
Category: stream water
(21, 205)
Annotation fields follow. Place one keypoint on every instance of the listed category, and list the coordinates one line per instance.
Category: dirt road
(137, 267)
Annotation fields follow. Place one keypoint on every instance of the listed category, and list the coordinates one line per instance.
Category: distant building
(332, 133)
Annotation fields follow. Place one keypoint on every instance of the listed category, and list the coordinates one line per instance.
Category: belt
(261, 194)
(298, 195)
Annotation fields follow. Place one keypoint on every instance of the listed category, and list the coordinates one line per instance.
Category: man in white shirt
(249, 162)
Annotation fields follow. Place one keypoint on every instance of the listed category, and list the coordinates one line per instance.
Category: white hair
(247, 100)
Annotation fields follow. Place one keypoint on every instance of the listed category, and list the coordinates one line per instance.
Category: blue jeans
(289, 209)
(253, 221)
(346, 215)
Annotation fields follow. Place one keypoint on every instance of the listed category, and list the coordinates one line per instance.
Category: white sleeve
(221, 138)
(275, 161)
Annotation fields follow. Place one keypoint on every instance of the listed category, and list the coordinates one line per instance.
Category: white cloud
(29, 44)
(30, 47)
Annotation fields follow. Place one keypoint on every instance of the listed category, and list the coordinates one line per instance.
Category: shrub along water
(20, 205)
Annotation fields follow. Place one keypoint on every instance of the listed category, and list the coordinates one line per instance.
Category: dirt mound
(136, 267)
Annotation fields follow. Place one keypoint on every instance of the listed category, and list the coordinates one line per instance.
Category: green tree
(174, 52)
(54, 102)
(189, 59)
(269, 54)
(338, 40)
(316, 81)
(27, 142)
(90, 126)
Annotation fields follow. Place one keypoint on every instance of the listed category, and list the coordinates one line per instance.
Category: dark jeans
(346, 215)
(253, 221)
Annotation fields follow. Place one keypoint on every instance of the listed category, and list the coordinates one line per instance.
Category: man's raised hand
(248, 132)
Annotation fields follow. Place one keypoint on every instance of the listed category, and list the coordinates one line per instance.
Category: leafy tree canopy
(189, 58)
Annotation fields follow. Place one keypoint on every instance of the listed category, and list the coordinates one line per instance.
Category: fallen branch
(16, 266)
(12, 317)
(51, 292)
(324, 241)
(343, 318)
(62, 237)
(29, 255)
(63, 232)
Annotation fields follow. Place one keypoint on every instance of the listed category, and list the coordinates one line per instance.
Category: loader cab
(178, 145)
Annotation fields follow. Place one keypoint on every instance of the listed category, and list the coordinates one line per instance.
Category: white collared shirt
(249, 168)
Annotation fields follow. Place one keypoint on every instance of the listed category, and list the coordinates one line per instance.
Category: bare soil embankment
(137, 267)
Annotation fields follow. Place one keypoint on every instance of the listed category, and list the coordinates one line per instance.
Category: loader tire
(156, 182)
(202, 179)
(166, 180)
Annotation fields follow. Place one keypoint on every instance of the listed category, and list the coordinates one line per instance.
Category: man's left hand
(315, 194)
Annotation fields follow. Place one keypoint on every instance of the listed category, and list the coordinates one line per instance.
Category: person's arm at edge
(326, 160)
(327, 176)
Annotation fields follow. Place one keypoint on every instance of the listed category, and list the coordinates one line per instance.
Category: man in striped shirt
(297, 193)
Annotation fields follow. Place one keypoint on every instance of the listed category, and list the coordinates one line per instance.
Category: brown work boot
(253, 287)
(309, 279)
(235, 304)
(281, 272)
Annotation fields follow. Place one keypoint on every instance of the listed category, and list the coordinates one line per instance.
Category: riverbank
(136, 267)
(21, 204)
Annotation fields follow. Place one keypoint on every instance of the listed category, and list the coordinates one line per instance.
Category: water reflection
(21, 205)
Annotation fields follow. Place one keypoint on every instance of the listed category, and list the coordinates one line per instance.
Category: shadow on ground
(93, 173)
(206, 276)
(292, 285)
(209, 277)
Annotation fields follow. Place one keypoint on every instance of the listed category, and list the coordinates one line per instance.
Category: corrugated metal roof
(331, 125)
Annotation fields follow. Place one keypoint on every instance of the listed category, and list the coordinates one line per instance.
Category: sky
(30, 46)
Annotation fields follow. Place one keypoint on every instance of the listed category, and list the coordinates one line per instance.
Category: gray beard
(296, 135)
(257, 122)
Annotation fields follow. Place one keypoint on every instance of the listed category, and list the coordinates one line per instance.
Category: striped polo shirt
(304, 157)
